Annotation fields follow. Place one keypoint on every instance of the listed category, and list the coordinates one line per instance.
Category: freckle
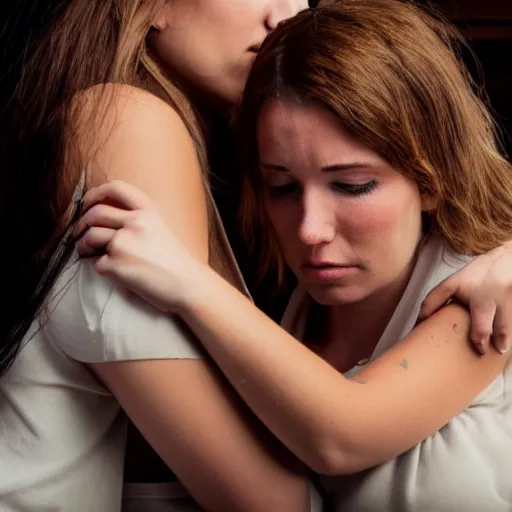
(404, 364)
(455, 327)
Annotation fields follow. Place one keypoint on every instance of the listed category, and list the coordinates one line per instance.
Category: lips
(324, 271)
(321, 264)
(254, 49)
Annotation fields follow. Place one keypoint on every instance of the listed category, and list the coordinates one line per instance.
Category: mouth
(324, 271)
(254, 49)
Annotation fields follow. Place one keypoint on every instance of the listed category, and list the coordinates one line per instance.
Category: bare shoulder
(125, 133)
(125, 101)
(114, 120)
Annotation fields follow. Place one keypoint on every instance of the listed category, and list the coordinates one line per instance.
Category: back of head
(52, 50)
(391, 75)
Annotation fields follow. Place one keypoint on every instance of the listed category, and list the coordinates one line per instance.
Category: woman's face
(211, 44)
(348, 224)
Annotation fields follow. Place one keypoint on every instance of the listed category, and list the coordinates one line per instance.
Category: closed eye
(351, 189)
(282, 190)
(354, 189)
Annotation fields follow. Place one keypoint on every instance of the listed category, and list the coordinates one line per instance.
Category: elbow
(328, 462)
(330, 459)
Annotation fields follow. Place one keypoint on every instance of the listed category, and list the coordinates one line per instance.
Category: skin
(342, 217)
(210, 44)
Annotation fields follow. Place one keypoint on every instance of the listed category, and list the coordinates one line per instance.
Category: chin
(337, 295)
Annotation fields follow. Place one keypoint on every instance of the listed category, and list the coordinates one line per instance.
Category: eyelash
(344, 188)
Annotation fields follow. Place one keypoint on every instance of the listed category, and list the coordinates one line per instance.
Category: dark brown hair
(50, 52)
(390, 73)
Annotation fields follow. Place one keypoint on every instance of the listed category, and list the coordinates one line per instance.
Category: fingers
(502, 328)
(95, 241)
(483, 311)
(117, 192)
(438, 297)
(104, 265)
(102, 215)
(119, 269)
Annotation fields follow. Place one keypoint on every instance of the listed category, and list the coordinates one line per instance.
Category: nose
(281, 10)
(317, 225)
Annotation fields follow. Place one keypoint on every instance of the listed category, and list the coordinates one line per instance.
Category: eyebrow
(327, 168)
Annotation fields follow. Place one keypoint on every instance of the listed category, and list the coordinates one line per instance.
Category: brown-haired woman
(374, 170)
(96, 90)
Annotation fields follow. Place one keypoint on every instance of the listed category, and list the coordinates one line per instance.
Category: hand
(486, 286)
(123, 229)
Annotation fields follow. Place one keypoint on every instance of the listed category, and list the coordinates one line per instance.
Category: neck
(360, 325)
(208, 107)
(352, 331)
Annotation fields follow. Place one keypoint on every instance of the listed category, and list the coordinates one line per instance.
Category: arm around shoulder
(333, 424)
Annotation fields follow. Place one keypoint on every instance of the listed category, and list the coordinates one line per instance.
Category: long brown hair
(391, 74)
(52, 51)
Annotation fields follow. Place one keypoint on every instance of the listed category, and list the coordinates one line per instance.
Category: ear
(428, 202)
(161, 18)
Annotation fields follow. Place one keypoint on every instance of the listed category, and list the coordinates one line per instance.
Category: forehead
(290, 130)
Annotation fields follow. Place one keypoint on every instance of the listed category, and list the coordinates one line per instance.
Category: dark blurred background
(487, 25)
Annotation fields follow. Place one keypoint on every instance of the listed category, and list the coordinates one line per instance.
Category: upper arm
(140, 139)
(201, 430)
(416, 388)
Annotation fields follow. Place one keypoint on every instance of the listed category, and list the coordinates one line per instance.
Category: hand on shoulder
(134, 246)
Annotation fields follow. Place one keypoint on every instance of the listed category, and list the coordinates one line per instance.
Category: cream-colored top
(62, 433)
(467, 465)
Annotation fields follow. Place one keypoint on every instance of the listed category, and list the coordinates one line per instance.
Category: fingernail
(503, 345)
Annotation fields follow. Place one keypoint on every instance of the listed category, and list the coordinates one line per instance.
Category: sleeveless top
(467, 465)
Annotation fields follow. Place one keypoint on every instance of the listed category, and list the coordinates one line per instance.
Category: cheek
(391, 216)
(374, 220)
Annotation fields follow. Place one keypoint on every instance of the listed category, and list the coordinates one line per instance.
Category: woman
(100, 90)
(373, 186)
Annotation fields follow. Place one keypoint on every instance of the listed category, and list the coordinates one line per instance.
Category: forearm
(293, 391)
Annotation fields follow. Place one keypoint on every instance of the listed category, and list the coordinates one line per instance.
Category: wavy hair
(391, 74)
